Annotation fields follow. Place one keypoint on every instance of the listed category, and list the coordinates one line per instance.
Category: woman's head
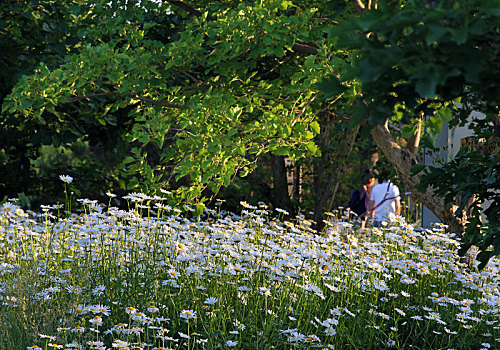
(368, 177)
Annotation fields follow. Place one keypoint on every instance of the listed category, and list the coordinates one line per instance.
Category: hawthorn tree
(415, 63)
(237, 80)
(30, 33)
(38, 36)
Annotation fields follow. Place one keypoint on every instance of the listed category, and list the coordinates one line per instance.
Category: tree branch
(160, 103)
(190, 9)
(324, 19)
(414, 140)
(359, 6)
(304, 108)
(394, 127)
(133, 95)
(296, 47)
(327, 108)
(190, 76)
(89, 96)
(305, 48)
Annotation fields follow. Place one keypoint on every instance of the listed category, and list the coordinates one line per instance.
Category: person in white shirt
(385, 202)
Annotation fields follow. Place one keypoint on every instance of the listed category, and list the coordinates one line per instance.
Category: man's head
(384, 171)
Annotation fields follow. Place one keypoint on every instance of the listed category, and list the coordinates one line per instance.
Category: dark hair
(384, 175)
(367, 174)
(384, 170)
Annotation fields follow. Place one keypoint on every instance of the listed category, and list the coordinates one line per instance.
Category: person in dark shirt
(360, 198)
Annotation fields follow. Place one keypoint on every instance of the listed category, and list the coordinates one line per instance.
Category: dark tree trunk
(280, 196)
(297, 182)
(329, 167)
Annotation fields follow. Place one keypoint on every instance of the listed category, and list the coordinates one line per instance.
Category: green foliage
(475, 178)
(30, 32)
(45, 117)
(191, 108)
(422, 59)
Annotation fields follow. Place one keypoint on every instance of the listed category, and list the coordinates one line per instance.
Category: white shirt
(387, 209)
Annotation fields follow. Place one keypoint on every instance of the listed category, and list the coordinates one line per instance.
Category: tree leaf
(408, 131)
(445, 114)
(315, 127)
(426, 87)
(435, 33)
(330, 86)
(360, 113)
(417, 168)
(313, 148)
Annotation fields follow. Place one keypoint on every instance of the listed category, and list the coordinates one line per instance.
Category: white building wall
(448, 140)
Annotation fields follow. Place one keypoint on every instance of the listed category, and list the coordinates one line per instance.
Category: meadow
(155, 278)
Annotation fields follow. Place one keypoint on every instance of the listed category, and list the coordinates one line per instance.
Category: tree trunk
(297, 190)
(403, 159)
(280, 196)
(330, 166)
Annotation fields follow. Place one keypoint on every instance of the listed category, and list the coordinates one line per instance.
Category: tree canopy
(199, 94)
(420, 65)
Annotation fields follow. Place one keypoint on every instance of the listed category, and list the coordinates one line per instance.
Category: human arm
(397, 201)
(370, 209)
(371, 206)
(398, 206)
